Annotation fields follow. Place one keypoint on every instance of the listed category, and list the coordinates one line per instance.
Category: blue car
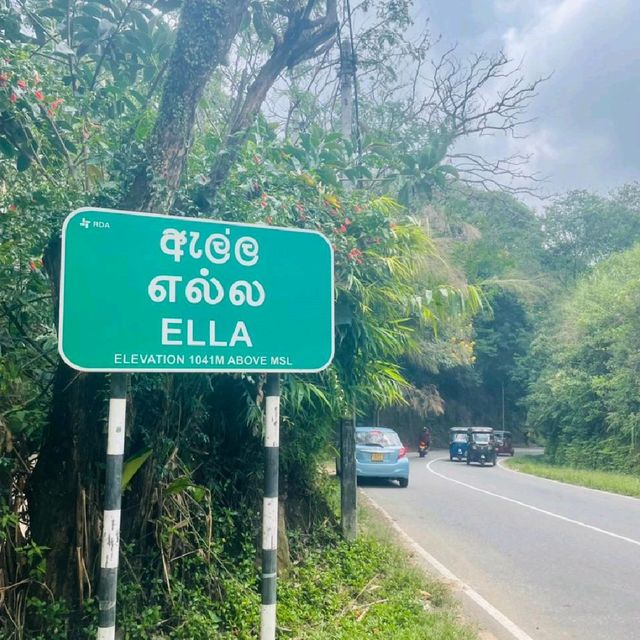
(380, 454)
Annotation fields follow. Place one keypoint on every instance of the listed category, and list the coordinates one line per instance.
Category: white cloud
(590, 48)
(584, 132)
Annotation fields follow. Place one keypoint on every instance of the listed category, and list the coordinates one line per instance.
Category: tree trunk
(302, 39)
(207, 28)
(64, 489)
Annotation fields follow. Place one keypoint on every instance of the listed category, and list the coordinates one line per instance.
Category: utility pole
(346, 89)
(348, 493)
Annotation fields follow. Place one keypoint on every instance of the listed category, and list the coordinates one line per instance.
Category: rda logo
(96, 224)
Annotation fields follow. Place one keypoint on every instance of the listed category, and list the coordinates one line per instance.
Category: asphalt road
(560, 562)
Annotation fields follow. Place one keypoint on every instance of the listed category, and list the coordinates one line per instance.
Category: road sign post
(270, 508)
(148, 293)
(110, 547)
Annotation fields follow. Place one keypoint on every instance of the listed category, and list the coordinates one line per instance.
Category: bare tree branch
(302, 39)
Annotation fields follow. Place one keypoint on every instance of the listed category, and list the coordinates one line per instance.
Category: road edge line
(485, 605)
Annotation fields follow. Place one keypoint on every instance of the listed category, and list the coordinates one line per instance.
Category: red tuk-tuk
(504, 445)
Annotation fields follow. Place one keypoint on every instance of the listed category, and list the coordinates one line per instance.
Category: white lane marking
(564, 484)
(457, 583)
(530, 506)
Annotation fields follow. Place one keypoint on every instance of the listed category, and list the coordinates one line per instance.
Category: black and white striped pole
(270, 508)
(110, 549)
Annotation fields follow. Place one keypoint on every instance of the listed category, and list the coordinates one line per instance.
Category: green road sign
(144, 292)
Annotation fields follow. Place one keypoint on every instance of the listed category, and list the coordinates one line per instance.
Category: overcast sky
(587, 128)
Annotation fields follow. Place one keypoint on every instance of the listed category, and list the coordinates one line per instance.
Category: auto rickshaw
(481, 446)
(457, 443)
(504, 444)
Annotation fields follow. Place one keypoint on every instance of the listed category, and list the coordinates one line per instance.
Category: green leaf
(64, 48)
(7, 148)
(168, 5)
(140, 21)
(197, 492)
(50, 12)
(23, 162)
(178, 485)
(327, 176)
(132, 466)
(92, 10)
(88, 22)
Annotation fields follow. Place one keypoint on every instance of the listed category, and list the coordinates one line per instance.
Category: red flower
(55, 104)
(347, 222)
(357, 209)
(342, 229)
(12, 207)
(22, 84)
(39, 95)
(13, 97)
(356, 255)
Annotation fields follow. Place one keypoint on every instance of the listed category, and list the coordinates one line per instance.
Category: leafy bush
(585, 401)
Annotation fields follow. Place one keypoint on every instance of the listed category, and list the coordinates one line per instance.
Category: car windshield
(378, 438)
(481, 438)
(459, 437)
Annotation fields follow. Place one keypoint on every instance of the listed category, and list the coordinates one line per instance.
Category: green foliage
(584, 400)
(48, 618)
(497, 238)
(362, 589)
(70, 92)
(51, 618)
(498, 244)
(384, 285)
(582, 228)
(132, 466)
(334, 590)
